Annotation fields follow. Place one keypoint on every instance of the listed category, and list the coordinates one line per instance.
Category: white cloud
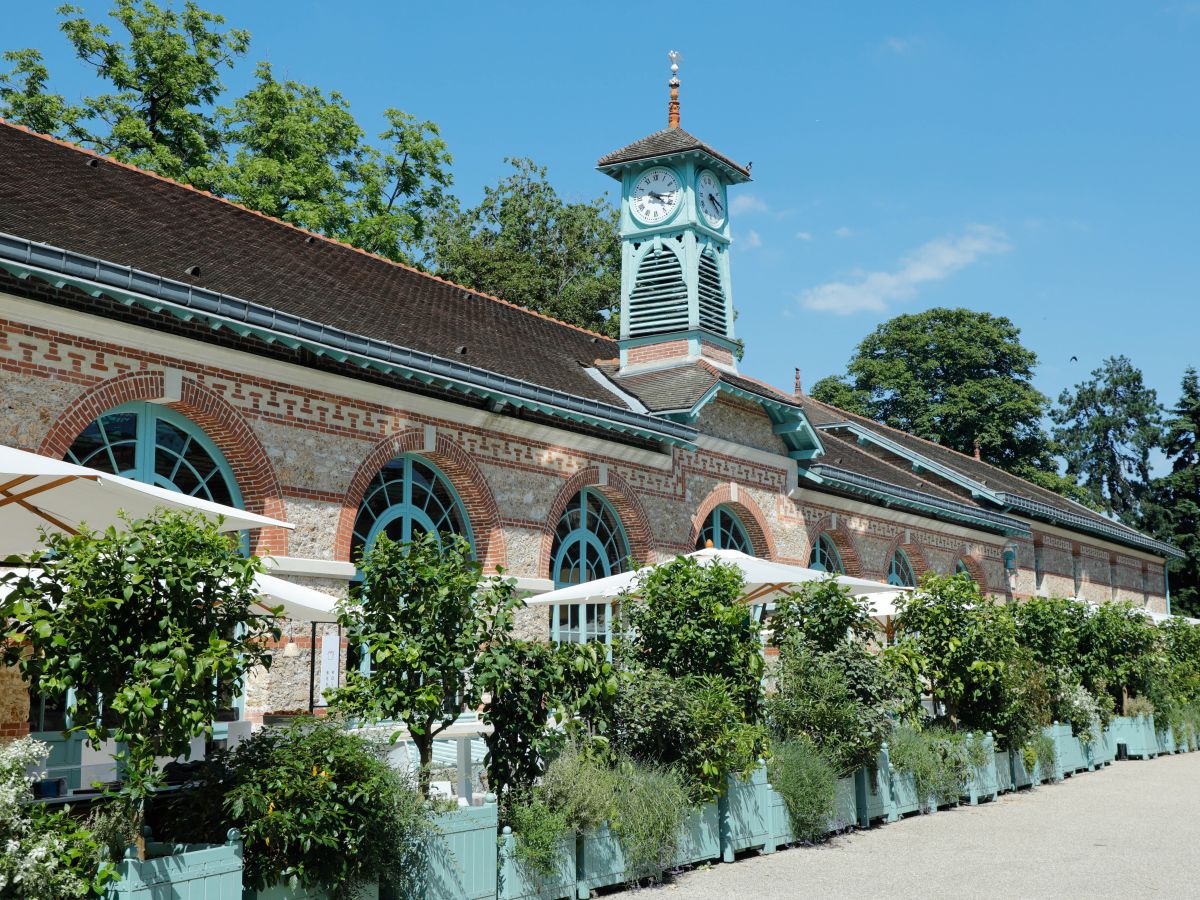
(934, 261)
(804, 235)
(747, 203)
(843, 232)
(752, 239)
(902, 45)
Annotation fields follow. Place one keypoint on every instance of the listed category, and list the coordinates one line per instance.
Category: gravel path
(1131, 830)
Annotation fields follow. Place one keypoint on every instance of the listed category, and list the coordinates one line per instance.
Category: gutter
(25, 258)
(891, 494)
(1113, 532)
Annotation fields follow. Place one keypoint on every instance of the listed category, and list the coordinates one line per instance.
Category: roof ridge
(935, 490)
(779, 392)
(981, 462)
(315, 234)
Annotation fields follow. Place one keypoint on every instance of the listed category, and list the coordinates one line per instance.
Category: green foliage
(823, 614)
(164, 78)
(526, 682)
(692, 724)
(649, 806)
(1120, 651)
(1041, 751)
(953, 376)
(1106, 428)
(525, 244)
(316, 805)
(1139, 707)
(938, 760)
(141, 625)
(838, 701)
(965, 648)
(423, 616)
(808, 783)
(687, 619)
(580, 783)
(45, 854)
(1171, 510)
(25, 100)
(540, 830)
(300, 156)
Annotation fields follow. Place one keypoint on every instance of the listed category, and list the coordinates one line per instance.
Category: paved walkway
(1131, 830)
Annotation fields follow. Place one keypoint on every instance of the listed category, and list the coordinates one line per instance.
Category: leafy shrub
(688, 619)
(539, 830)
(1138, 707)
(837, 700)
(1083, 711)
(937, 759)
(44, 854)
(650, 804)
(693, 724)
(822, 614)
(316, 805)
(1040, 751)
(808, 783)
(580, 783)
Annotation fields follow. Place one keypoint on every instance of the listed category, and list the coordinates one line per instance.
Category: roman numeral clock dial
(656, 196)
(711, 195)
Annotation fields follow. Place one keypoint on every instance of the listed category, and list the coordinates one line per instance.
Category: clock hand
(715, 202)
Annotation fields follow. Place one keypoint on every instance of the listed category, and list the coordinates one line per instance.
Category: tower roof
(666, 143)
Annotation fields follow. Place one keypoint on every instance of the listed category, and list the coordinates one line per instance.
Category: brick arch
(974, 567)
(748, 512)
(623, 499)
(842, 539)
(225, 426)
(465, 476)
(916, 558)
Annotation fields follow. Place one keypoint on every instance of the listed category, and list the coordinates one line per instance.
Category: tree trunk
(424, 744)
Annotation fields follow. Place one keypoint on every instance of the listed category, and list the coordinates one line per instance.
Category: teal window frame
(825, 556)
(900, 571)
(588, 535)
(960, 568)
(725, 529)
(406, 508)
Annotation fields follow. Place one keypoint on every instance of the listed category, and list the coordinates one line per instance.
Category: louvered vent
(659, 299)
(712, 298)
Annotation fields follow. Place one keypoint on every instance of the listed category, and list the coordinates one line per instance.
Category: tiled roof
(682, 387)
(57, 194)
(667, 142)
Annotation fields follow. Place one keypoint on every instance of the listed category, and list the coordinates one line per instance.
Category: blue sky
(1036, 160)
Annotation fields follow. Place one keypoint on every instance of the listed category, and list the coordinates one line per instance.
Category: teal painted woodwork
(1102, 751)
(700, 836)
(745, 810)
(1070, 753)
(726, 531)
(156, 445)
(296, 892)
(845, 813)
(461, 856)
(900, 571)
(589, 542)
(983, 782)
(181, 872)
(873, 791)
(1136, 734)
(825, 556)
(65, 756)
(409, 497)
(517, 882)
(905, 799)
(1002, 766)
(600, 861)
(1166, 741)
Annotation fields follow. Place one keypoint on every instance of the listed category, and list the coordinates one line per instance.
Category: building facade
(153, 330)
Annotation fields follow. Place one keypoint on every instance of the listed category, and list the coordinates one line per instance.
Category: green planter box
(746, 815)
(700, 836)
(905, 801)
(181, 872)
(1102, 751)
(1022, 777)
(1069, 752)
(983, 782)
(845, 813)
(600, 861)
(1136, 734)
(461, 857)
(873, 792)
(1166, 741)
(518, 883)
(1002, 766)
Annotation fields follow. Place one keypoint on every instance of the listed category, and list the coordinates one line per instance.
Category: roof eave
(1116, 533)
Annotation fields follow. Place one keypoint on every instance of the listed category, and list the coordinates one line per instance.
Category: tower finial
(797, 389)
(673, 106)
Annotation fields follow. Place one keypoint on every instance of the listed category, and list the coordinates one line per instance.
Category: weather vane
(675, 56)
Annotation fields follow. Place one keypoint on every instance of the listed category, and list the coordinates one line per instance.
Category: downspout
(1167, 585)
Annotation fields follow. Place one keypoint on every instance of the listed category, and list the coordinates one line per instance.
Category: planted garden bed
(1136, 734)
(519, 882)
(181, 872)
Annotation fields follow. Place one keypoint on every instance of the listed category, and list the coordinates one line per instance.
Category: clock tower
(676, 303)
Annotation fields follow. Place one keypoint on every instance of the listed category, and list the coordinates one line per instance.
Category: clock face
(656, 196)
(711, 197)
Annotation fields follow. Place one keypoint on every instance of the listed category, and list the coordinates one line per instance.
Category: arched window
(900, 572)
(589, 543)
(825, 557)
(156, 445)
(408, 497)
(960, 568)
(726, 532)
